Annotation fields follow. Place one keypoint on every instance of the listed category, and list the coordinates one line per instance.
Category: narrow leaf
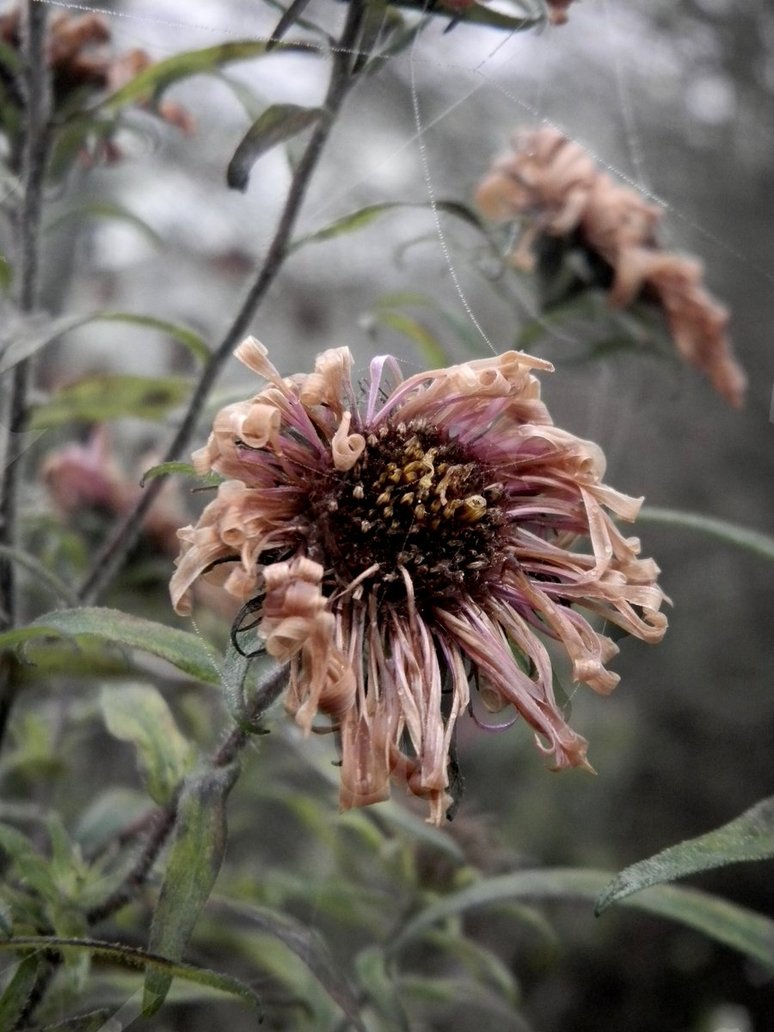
(41, 573)
(309, 946)
(182, 334)
(731, 533)
(428, 345)
(363, 217)
(193, 865)
(278, 123)
(105, 210)
(748, 837)
(187, 652)
(18, 991)
(132, 956)
(138, 714)
(152, 81)
(23, 336)
(96, 399)
(732, 925)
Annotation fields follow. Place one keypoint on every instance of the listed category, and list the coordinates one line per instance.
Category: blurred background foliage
(677, 99)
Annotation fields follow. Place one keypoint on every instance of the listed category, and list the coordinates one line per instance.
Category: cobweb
(652, 107)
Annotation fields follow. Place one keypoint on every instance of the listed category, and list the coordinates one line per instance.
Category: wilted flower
(405, 550)
(80, 57)
(86, 478)
(558, 187)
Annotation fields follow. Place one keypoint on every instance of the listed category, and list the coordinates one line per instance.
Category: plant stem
(34, 158)
(115, 550)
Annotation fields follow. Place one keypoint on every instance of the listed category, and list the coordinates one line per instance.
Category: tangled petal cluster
(556, 185)
(414, 548)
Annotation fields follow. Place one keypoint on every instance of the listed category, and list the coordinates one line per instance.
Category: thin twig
(34, 159)
(114, 552)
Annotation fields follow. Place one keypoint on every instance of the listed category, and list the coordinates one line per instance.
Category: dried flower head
(559, 188)
(404, 551)
(80, 57)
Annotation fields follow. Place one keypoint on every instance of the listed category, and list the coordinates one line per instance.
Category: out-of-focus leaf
(289, 18)
(35, 868)
(138, 714)
(309, 946)
(152, 81)
(278, 123)
(184, 335)
(373, 976)
(734, 926)
(193, 865)
(428, 345)
(748, 837)
(187, 652)
(731, 533)
(18, 991)
(41, 573)
(97, 399)
(363, 217)
(105, 210)
(132, 956)
(484, 966)
(527, 14)
(107, 814)
(23, 336)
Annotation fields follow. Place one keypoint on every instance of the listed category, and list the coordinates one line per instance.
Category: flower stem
(116, 548)
(731, 533)
(34, 158)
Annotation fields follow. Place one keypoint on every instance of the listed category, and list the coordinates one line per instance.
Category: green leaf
(730, 533)
(138, 714)
(41, 573)
(18, 991)
(363, 217)
(246, 701)
(732, 925)
(371, 967)
(187, 652)
(278, 123)
(157, 78)
(105, 210)
(96, 399)
(34, 868)
(132, 956)
(182, 334)
(748, 837)
(428, 345)
(309, 946)
(193, 865)
(22, 337)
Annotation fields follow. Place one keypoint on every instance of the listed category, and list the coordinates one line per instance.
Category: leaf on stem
(138, 714)
(154, 80)
(732, 925)
(132, 956)
(100, 398)
(748, 837)
(188, 652)
(309, 946)
(193, 865)
(275, 125)
(18, 991)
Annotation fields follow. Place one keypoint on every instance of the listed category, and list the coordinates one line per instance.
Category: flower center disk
(416, 501)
